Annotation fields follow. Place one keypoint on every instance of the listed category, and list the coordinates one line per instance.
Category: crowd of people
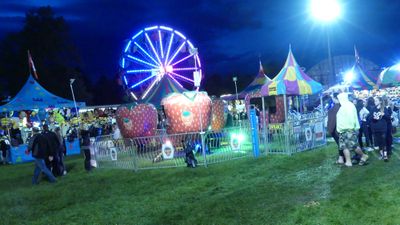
(362, 125)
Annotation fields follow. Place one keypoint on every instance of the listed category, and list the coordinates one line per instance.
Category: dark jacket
(39, 146)
(331, 127)
(379, 123)
(54, 143)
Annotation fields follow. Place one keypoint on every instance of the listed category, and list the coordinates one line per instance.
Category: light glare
(325, 10)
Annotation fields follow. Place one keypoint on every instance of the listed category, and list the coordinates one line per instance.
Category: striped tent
(390, 77)
(291, 80)
(260, 80)
(165, 86)
(362, 80)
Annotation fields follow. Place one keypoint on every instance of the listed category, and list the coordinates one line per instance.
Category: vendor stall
(33, 96)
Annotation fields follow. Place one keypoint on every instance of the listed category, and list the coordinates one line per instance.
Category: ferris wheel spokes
(173, 78)
(145, 52)
(149, 88)
(141, 61)
(182, 77)
(185, 69)
(169, 48)
(183, 59)
(141, 71)
(152, 48)
(176, 52)
(161, 45)
(144, 80)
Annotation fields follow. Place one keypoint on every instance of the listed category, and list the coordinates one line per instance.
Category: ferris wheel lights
(169, 69)
(173, 78)
(155, 52)
(137, 34)
(126, 81)
(161, 45)
(142, 81)
(133, 96)
(128, 45)
(151, 28)
(146, 53)
(152, 48)
(166, 28)
(149, 88)
(141, 71)
(176, 52)
(141, 61)
(179, 34)
(190, 44)
(169, 48)
(183, 59)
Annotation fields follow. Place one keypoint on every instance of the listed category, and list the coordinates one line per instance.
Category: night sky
(230, 35)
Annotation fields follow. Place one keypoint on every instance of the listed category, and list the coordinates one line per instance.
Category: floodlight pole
(71, 81)
(332, 73)
(237, 100)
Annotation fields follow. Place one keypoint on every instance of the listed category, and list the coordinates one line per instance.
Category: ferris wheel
(155, 52)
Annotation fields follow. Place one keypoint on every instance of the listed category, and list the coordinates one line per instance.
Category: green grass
(306, 188)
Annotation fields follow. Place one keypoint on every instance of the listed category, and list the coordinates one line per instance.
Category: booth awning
(34, 96)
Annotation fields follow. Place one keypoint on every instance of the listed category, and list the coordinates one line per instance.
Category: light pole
(237, 101)
(326, 12)
(71, 81)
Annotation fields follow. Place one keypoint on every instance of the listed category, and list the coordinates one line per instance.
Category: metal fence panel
(164, 151)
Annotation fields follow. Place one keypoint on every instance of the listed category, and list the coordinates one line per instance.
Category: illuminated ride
(155, 52)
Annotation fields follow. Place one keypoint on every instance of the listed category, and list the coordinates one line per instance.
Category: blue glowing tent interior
(165, 86)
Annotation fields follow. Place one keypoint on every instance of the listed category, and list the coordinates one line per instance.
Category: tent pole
(285, 124)
(264, 125)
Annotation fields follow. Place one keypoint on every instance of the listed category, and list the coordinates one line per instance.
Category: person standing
(389, 136)
(53, 146)
(332, 125)
(39, 147)
(85, 135)
(370, 106)
(347, 126)
(380, 115)
(363, 114)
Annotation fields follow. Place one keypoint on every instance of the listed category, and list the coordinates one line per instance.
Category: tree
(108, 91)
(53, 52)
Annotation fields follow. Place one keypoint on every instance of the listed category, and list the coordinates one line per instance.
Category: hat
(35, 130)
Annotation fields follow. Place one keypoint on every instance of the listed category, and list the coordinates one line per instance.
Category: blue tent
(34, 96)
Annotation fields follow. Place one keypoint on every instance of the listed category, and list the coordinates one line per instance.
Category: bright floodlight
(325, 10)
(348, 76)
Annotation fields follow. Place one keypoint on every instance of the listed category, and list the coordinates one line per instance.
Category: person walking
(347, 126)
(39, 147)
(332, 125)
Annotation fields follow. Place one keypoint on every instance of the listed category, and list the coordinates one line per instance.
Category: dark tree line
(56, 59)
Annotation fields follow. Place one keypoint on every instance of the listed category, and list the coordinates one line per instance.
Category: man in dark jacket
(39, 147)
(54, 145)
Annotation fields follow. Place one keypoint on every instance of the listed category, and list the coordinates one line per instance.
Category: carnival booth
(237, 103)
(33, 96)
(298, 122)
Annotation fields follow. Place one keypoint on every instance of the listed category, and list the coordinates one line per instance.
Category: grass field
(306, 188)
